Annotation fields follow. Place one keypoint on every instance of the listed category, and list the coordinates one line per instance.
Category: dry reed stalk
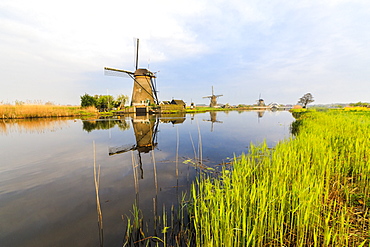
(96, 182)
(177, 152)
(155, 173)
(136, 183)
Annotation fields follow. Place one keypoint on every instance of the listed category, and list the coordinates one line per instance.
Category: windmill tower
(144, 91)
(260, 101)
(213, 98)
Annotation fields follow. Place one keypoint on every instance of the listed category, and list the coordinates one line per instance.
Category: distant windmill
(260, 101)
(144, 90)
(213, 98)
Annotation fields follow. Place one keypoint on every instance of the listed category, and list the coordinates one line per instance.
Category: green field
(310, 190)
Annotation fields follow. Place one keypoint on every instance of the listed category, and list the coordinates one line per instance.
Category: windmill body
(213, 98)
(260, 101)
(142, 92)
(144, 89)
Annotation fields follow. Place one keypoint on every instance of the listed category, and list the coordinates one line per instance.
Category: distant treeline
(360, 104)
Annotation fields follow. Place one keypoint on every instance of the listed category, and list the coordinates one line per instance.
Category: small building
(173, 105)
(178, 102)
(165, 102)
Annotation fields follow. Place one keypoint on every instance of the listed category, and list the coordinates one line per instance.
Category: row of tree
(104, 102)
(308, 98)
(361, 104)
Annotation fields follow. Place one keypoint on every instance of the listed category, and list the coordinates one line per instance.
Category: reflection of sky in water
(47, 191)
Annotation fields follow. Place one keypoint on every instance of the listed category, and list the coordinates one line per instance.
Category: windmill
(260, 101)
(213, 98)
(144, 92)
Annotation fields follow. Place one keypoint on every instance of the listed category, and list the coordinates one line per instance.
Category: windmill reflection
(260, 114)
(213, 116)
(145, 129)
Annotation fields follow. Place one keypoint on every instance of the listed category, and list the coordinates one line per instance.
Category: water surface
(47, 193)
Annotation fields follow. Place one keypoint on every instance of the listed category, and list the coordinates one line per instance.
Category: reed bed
(41, 111)
(310, 190)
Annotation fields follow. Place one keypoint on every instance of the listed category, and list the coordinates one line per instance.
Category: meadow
(42, 111)
(310, 190)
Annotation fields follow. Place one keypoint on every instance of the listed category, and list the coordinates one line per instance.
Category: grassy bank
(311, 190)
(42, 111)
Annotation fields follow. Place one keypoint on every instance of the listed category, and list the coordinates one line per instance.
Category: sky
(56, 51)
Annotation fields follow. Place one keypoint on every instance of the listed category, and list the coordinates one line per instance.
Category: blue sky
(56, 50)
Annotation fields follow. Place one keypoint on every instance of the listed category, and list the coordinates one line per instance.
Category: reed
(42, 111)
(310, 190)
(98, 206)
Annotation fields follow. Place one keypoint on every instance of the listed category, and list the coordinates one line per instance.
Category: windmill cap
(143, 72)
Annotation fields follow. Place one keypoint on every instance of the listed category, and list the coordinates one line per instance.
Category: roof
(178, 102)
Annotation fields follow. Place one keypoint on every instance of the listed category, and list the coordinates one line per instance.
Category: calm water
(47, 193)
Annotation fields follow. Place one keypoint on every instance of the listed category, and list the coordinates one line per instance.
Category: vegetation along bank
(44, 111)
(311, 190)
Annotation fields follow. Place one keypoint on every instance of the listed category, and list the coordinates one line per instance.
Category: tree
(306, 99)
(120, 101)
(87, 100)
(104, 102)
(360, 104)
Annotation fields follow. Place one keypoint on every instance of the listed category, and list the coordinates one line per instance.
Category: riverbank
(311, 190)
(47, 111)
(44, 111)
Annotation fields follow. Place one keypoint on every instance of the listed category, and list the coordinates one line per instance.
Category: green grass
(311, 190)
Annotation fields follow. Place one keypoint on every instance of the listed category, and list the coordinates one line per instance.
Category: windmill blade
(219, 95)
(207, 97)
(118, 72)
(136, 46)
(153, 84)
(121, 149)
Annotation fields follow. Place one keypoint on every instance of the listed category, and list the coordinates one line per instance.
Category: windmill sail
(144, 91)
(213, 98)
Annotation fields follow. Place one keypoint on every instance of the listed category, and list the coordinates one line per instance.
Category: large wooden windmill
(213, 98)
(144, 91)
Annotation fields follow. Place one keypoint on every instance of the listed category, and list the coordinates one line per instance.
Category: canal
(47, 191)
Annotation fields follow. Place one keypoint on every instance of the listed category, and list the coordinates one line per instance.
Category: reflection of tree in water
(90, 125)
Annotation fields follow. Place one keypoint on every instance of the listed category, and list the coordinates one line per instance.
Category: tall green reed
(310, 190)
